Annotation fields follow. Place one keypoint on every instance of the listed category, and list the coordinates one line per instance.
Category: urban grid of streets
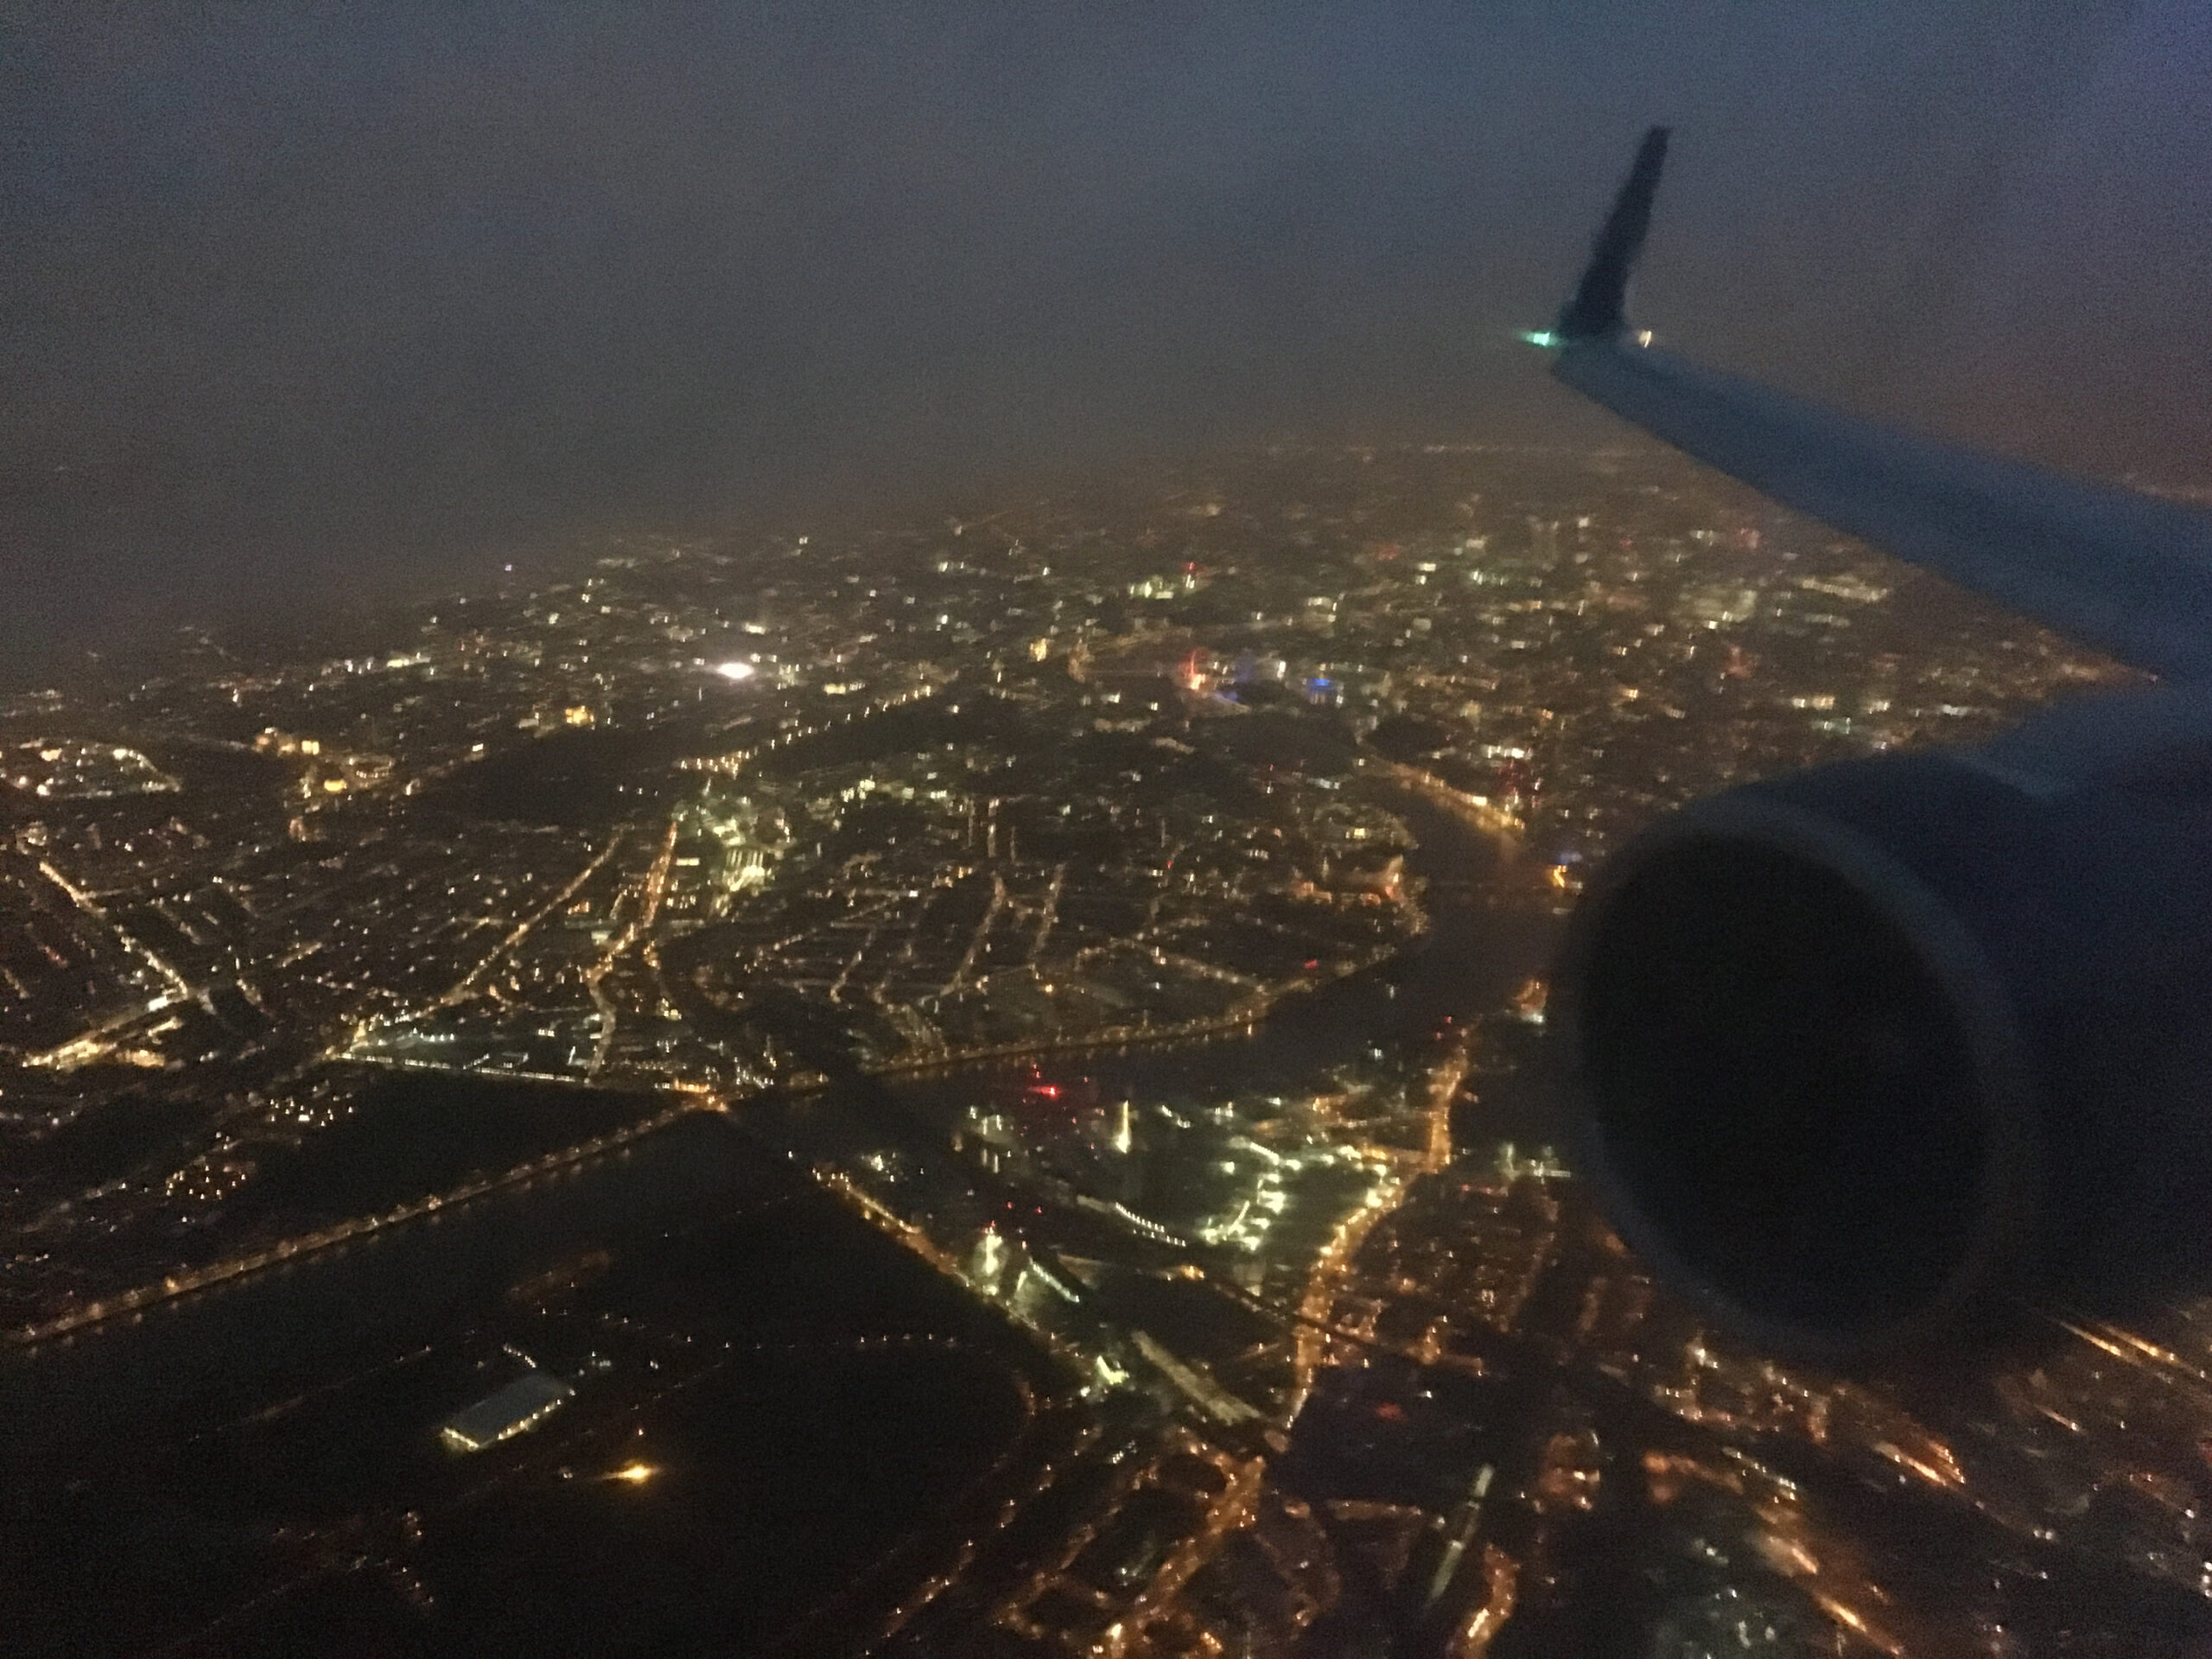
(897, 853)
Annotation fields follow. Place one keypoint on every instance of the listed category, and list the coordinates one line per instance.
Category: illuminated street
(1086, 965)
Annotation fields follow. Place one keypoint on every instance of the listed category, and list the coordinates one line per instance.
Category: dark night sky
(303, 302)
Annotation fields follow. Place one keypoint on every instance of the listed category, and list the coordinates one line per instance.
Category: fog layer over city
(314, 304)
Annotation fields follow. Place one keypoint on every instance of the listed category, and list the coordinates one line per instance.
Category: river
(122, 1407)
(1476, 951)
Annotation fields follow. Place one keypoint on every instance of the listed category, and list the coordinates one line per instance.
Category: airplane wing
(2127, 573)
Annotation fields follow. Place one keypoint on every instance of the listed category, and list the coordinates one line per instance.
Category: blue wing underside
(2128, 574)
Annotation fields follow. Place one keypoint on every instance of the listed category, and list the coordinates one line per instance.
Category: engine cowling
(1859, 1055)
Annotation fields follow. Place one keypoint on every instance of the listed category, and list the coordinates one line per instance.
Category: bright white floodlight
(734, 671)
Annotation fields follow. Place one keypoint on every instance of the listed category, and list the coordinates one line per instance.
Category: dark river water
(1478, 949)
(157, 1474)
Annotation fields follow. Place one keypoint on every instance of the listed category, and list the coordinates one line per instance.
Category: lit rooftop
(523, 1404)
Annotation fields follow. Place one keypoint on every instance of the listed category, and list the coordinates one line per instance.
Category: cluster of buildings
(715, 823)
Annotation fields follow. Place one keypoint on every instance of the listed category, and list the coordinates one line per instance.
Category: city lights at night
(828, 833)
(1187, 985)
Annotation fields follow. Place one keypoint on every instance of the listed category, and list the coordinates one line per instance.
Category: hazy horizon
(335, 306)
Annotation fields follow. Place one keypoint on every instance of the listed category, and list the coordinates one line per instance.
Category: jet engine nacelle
(1862, 1054)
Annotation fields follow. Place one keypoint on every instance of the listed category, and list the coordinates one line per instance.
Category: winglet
(1594, 313)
